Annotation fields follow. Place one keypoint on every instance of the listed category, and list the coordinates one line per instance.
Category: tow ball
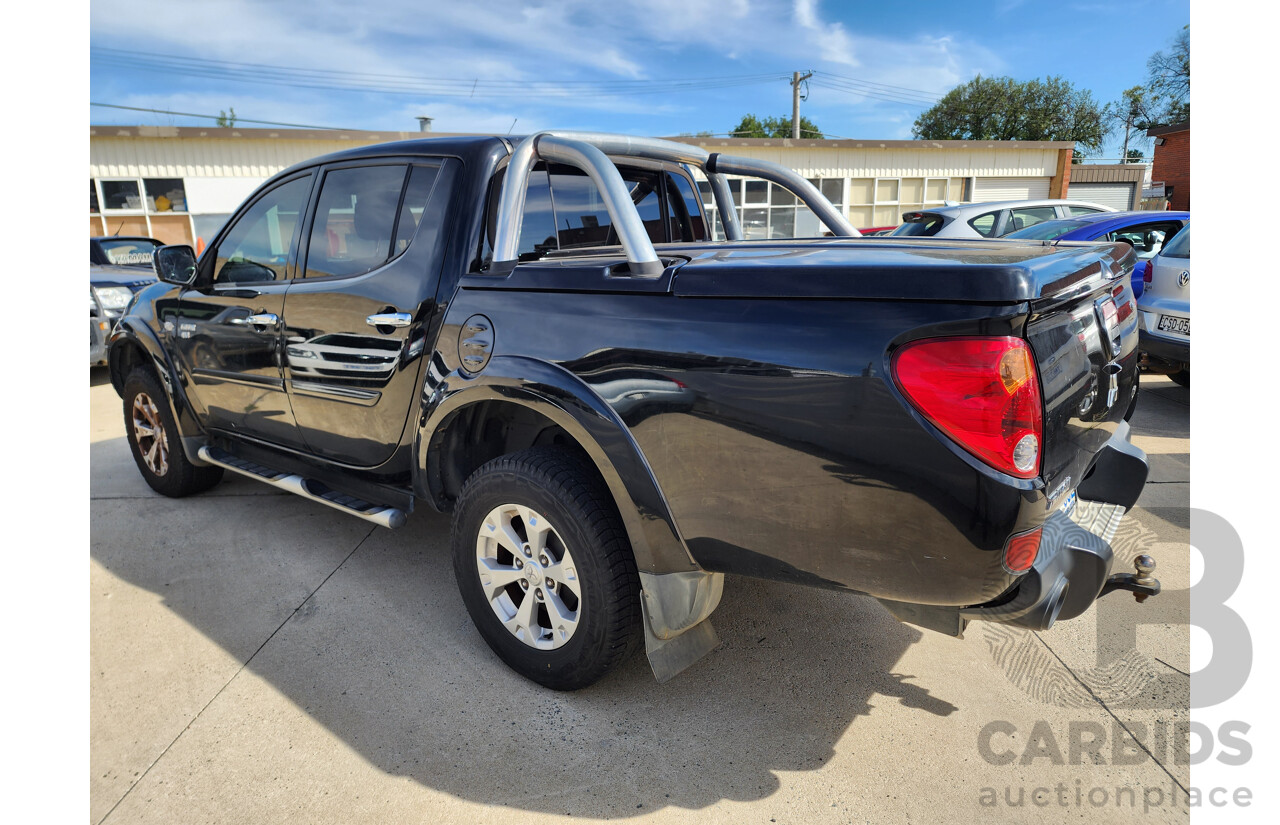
(1141, 583)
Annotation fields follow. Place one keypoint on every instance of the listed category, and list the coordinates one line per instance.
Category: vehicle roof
(1105, 221)
(465, 147)
(123, 238)
(991, 206)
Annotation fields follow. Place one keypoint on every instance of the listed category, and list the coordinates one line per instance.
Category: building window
(887, 200)
(154, 196)
(767, 210)
(165, 195)
(93, 197)
(121, 196)
(936, 191)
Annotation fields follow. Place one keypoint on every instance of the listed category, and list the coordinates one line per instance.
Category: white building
(179, 184)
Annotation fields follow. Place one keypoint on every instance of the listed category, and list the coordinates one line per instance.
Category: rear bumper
(1073, 565)
(1168, 349)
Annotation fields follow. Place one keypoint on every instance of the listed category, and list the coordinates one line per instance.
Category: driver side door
(226, 329)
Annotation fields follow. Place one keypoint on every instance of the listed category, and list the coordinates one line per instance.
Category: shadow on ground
(385, 657)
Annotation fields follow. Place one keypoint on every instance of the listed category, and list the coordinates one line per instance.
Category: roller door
(986, 190)
(1118, 196)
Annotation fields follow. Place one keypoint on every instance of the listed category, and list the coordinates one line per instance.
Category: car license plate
(1172, 323)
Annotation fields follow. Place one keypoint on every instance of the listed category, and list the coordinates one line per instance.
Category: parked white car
(1164, 309)
(989, 220)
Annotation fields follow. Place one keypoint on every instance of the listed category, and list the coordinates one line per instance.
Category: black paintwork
(739, 406)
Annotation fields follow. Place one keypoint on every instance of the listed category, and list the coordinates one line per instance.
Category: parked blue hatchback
(1145, 231)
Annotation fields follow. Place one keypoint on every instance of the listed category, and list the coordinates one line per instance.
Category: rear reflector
(982, 392)
(1020, 551)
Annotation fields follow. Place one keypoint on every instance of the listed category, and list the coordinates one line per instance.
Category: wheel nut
(524, 584)
(519, 562)
(551, 584)
(538, 594)
(527, 550)
(544, 561)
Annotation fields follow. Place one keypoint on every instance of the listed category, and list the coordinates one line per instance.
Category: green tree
(1169, 79)
(226, 121)
(1133, 156)
(774, 127)
(1001, 108)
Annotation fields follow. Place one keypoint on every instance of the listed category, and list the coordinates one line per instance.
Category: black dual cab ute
(541, 336)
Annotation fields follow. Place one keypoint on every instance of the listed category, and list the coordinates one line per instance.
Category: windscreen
(1046, 231)
(128, 252)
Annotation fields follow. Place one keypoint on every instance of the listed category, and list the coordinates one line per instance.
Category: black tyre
(153, 440)
(1182, 377)
(545, 568)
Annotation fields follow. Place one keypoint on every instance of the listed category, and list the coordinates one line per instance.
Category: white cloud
(559, 40)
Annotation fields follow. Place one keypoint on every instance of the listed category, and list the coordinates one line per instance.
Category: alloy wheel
(528, 576)
(149, 434)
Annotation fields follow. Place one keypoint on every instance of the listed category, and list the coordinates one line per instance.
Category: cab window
(581, 216)
(259, 244)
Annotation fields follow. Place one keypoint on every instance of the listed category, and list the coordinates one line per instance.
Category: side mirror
(175, 264)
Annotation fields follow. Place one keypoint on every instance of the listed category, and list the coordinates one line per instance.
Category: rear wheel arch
(473, 427)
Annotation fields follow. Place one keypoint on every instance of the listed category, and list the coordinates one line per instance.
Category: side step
(307, 488)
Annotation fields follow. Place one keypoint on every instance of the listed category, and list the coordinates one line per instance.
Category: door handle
(389, 319)
(262, 319)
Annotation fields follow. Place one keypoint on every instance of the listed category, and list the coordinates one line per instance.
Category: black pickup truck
(541, 336)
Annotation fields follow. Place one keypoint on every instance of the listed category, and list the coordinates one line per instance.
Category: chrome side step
(307, 488)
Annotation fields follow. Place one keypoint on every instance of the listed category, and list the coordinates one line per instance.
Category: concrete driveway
(256, 657)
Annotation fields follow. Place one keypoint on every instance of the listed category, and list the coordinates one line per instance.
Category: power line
(236, 119)
(332, 80)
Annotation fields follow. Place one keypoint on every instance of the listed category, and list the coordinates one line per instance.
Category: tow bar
(1142, 584)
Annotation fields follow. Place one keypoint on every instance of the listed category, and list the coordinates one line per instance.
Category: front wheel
(545, 568)
(153, 440)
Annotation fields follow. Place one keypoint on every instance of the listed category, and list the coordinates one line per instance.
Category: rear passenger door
(356, 317)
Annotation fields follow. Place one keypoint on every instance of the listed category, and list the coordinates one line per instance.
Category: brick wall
(1173, 166)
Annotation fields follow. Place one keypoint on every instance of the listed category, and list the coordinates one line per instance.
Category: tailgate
(1085, 339)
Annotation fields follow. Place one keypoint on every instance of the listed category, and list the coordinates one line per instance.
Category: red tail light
(1020, 551)
(1146, 273)
(982, 392)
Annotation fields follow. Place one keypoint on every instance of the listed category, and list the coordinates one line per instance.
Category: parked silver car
(989, 220)
(1165, 309)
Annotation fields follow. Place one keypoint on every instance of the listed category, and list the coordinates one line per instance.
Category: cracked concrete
(256, 658)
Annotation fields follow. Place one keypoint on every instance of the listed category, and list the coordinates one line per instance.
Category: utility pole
(796, 80)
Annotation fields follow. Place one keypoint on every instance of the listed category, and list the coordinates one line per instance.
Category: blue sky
(589, 65)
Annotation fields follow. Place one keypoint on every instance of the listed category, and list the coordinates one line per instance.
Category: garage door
(1118, 196)
(986, 190)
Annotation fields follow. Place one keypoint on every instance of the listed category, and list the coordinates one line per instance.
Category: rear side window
(422, 179)
(1030, 216)
(1082, 210)
(985, 225)
(355, 220)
